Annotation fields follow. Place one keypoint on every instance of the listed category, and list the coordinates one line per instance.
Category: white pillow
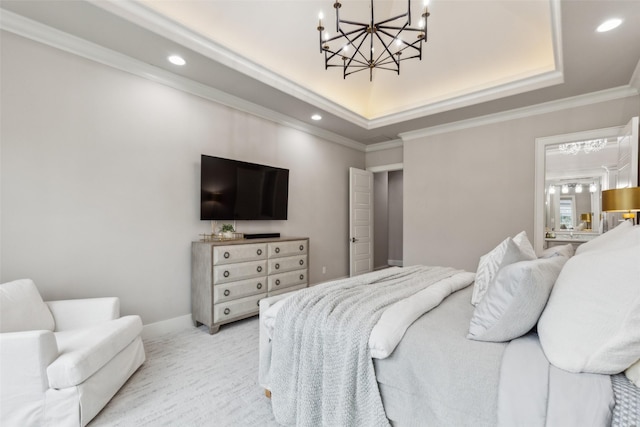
(633, 373)
(515, 300)
(562, 250)
(609, 240)
(524, 244)
(22, 308)
(490, 263)
(590, 323)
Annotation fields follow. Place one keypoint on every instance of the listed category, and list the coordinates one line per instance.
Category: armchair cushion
(82, 313)
(22, 308)
(85, 351)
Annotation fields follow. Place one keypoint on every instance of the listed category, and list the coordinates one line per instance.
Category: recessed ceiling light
(609, 25)
(316, 117)
(176, 60)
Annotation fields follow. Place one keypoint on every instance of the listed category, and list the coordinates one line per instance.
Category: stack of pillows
(586, 306)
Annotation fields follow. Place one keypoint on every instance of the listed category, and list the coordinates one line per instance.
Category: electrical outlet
(324, 270)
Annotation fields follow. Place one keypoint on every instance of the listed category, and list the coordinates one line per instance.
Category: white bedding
(395, 320)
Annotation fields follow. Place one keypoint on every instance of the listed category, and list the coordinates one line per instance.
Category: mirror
(571, 172)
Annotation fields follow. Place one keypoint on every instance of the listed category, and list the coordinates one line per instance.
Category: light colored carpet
(191, 378)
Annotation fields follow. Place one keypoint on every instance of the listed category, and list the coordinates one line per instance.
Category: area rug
(191, 378)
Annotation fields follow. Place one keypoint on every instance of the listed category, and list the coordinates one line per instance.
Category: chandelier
(360, 46)
(586, 146)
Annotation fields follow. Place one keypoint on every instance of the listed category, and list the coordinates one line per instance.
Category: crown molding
(151, 20)
(387, 145)
(44, 34)
(519, 113)
(635, 77)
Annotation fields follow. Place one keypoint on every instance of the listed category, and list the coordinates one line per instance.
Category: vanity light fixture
(578, 188)
(552, 189)
(176, 60)
(609, 25)
(565, 189)
(592, 188)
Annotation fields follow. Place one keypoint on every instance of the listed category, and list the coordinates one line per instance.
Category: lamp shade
(585, 217)
(621, 200)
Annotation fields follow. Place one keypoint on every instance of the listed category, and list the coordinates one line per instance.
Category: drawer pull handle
(258, 303)
(259, 251)
(277, 250)
(302, 277)
(227, 254)
(301, 262)
(226, 273)
(226, 292)
(259, 269)
(302, 247)
(259, 286)
(277, 266)
(227, 311)
(277, 282)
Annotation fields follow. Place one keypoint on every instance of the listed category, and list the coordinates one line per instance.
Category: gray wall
(100, 181)
(395, 215)
(467, 190)
(380, 219)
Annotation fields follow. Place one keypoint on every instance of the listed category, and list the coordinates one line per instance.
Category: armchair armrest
(24, 358)
(81, 313)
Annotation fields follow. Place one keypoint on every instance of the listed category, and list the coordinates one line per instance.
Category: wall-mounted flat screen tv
(234, 190)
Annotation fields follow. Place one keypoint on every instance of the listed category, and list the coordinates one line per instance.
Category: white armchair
(62, 361)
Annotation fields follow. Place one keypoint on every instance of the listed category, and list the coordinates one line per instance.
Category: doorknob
(353, 240)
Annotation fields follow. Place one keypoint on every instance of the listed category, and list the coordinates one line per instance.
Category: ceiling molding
(519, 113)
(386, 168)
(153, 21)
(635, 77)
(387, 145)
(41, 33)
(495, 92)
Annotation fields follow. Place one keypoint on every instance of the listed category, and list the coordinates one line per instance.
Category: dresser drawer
(240, 289)
(284, 280)
(289, 289)
(232, 272)
(284, 249)
(239, 253)
(282, 265)
(237, 308)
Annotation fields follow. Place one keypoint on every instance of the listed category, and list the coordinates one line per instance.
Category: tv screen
(234, 190)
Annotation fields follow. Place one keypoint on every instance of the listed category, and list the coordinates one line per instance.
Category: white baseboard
(395, 262)
(154, 330)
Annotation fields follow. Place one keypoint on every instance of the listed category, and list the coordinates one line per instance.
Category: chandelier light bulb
(398, 42)
(345, 48)
(421, 24)
(320, 15)
(326, 36)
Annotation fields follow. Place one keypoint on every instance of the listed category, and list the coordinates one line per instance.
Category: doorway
(387, 218)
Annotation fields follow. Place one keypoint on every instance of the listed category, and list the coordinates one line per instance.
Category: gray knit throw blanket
(322, 372)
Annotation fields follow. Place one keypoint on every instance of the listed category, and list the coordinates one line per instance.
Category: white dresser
(229, 278)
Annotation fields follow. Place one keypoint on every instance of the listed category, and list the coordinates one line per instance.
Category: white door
(360, 221)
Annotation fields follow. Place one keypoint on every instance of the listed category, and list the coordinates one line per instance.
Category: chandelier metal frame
(353, 54)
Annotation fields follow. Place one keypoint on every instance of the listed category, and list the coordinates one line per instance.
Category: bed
(533, 340)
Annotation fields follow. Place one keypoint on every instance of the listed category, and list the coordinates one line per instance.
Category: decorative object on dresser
(228, 279)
